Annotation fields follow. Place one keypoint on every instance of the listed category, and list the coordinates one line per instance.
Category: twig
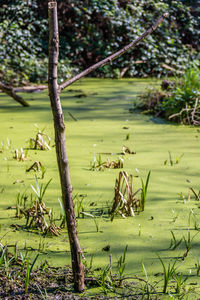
(111, 274)
(172, 69)
(112, 57)
(137, 278)
(191, 114)
(72, 117)
(194, 110)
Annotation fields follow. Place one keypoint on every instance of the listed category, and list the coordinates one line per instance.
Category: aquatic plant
(168, 272)
(95, 219)
(37, 166)
(188, 243)
(171, 161)
(121, 264)
(28, 271)
(20, 155)
(41, 141)
(180, 280)
(21, 202)
(99, 165)
(126, 201)
(40, 190)
(174, 242)
(144, 191)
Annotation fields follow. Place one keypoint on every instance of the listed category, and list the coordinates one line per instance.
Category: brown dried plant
(126, 150)
(99, 165)
(20, 155)
(35, 218)
(125, 202)
(41, 141)
(37, 166)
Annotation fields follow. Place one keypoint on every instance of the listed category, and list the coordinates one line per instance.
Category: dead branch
(10, 92)
(112, 57)
(192, 115)
(30, 89)
(167, 67)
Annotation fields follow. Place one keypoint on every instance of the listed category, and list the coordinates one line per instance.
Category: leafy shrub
(20, 39)
(180, 100)
(91, 30)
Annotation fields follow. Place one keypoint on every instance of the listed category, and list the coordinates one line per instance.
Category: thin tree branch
(10, 92)
(115, 55)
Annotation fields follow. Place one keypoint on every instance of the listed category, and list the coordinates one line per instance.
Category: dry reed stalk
(125, 201)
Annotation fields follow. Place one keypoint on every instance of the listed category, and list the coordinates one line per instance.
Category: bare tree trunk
(63, 165)
(10, 92)
(59, 126)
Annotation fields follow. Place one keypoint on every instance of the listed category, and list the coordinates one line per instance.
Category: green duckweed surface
(103, 122)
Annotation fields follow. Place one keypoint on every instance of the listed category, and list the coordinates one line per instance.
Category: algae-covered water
(103, 124)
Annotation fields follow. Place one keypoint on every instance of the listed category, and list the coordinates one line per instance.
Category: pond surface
(98, 121)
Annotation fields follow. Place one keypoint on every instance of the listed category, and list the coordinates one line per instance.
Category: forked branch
(115, 55)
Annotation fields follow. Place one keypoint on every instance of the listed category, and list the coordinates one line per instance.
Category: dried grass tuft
(125, 202)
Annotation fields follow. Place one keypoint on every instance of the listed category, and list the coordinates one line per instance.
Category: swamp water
(98, 120)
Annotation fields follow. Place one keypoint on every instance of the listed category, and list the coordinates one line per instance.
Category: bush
(21, 44)
(91, 30)
(179, 101)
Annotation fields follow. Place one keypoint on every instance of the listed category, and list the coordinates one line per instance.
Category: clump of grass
(5, 145)
(40, 190)
(37, 166)
(21, 202)
(95, 219)
(192, 216)
(197, 266)
(188, 243)
(127, 150)
(104, 280)
(126, 202)
(144, 190)
(62, 214)
(20, 154)
(79, 204)
(36, 213)
(29, 268)
(99, 165)
(171, 161)
(121, 265)
(168, 273)
(174, 242)
(180, 280)
(41, 141)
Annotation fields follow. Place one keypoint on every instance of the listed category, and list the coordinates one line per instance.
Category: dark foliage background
(92, 29)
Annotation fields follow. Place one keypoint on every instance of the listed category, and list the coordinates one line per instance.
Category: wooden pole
(62, 160)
